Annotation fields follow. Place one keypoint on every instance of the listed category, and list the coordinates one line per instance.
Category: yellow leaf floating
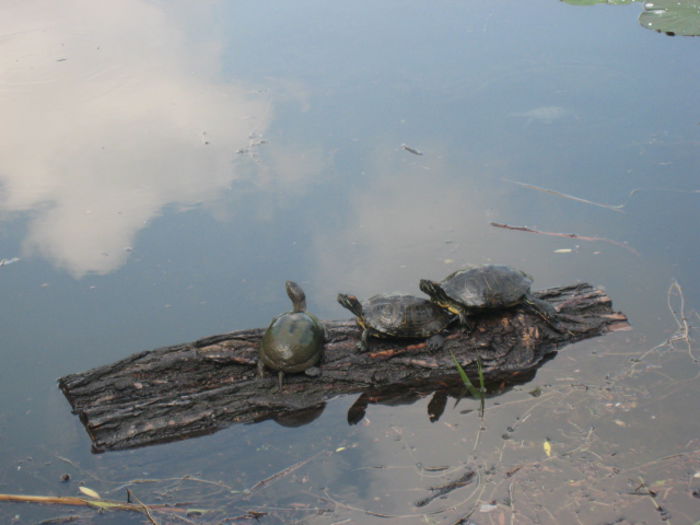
(547, 445)
(106, 505)
(90, 492)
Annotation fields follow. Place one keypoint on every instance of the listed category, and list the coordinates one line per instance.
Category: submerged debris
(411, 150)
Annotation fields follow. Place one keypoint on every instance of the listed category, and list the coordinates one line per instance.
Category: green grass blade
(465, 379)
(482, 381)
(482, 386)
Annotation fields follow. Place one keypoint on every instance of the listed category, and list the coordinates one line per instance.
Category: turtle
(488, 287)
(397, 315)
(294, 340)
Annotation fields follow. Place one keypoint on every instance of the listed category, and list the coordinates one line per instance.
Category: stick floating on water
(614, 207)
(566, 235)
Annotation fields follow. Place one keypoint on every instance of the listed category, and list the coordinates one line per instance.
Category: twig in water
(186, 477)
(613, 207)
(665, 515)
(683, 332)
(145, 508)
(99, 504)
(566, 235)
(442, 490)
(284, 472)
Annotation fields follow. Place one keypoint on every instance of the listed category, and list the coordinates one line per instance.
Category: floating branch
(612, 207)
(99, 504)
(566, 235)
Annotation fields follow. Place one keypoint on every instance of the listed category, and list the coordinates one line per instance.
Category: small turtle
(397, 315)
(489, 287)
(294, 340)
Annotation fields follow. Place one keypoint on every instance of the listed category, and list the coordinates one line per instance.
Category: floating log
(197, 388)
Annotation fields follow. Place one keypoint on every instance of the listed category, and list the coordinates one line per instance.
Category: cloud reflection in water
(109, 114)
(413, 220)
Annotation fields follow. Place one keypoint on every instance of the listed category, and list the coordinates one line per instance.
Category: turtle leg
(313, 371)
(544, 309)
(363, 345)
(435, 342)
(465, 322)
(280, 379)
(261, 369)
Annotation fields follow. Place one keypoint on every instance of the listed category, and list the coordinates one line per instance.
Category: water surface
(165, 168)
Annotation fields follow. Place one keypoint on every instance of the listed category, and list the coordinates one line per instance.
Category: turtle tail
(351, 303)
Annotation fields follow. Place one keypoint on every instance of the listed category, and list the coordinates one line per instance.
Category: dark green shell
(402, 315)
(293, 342)
(480, 287)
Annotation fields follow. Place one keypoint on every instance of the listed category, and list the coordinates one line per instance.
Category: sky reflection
(104, 124)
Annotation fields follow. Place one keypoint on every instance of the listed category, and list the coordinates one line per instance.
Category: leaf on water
(673, 17)
(89, 492)
(105, 504)
(197, 512)
(563, 250)
(547, 446)
(340, 449)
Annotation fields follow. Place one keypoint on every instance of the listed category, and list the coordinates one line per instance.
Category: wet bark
(200, 387)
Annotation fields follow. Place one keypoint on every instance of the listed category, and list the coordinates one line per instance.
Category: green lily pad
(673, 17)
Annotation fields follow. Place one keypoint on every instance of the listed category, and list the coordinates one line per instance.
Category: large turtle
(397, 315)
(294, 340)
(488, 287)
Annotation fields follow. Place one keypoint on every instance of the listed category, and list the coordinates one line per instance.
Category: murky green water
(165, 167)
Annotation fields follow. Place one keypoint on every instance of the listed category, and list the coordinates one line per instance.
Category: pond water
(165, 167)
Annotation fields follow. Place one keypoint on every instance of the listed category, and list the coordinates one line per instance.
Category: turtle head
(352, 303)
(296, 295)
(435, 291)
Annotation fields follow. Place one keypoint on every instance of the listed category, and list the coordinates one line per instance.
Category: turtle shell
(293, 342)
(487, 287)
(402, 315)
